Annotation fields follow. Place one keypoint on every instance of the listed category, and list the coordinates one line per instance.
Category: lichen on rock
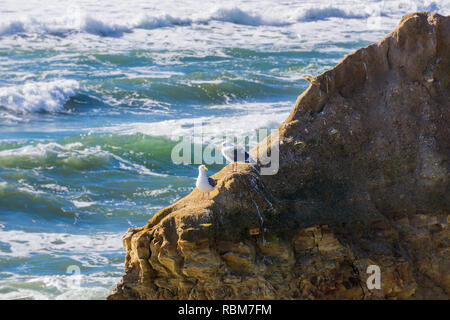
(363, 180)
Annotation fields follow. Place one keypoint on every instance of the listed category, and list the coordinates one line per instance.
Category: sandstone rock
(363, 180)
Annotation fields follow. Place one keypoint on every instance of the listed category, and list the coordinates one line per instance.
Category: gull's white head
(202, 168)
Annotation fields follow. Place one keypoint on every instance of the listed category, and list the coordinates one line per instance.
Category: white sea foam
(159, 29)
(103, 28)
(25, 244)
(156, 193)
(83, 204)
(12, 27)
(109, 28)
(55, 187)
(258, 115)
(146, 21)
(325, 12)
(26, 188)
(58, 287)
(71, 151)
(153, 14)
(40, 149)
(38, 96)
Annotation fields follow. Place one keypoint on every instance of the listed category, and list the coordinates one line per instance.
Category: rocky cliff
(363, 180)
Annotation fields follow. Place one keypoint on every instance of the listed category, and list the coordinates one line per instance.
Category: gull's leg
(203, 197)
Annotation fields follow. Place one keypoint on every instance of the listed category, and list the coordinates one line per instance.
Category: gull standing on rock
(235, 154)
(204, 183)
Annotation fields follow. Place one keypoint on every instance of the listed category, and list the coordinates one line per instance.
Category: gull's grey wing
(240, 154)
(212, 182)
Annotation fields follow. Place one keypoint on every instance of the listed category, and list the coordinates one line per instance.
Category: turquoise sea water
(93, 95)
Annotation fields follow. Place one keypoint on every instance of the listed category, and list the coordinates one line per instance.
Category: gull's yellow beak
(219, 147)
(206, 168)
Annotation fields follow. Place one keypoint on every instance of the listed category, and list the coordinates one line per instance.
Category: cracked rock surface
(363, 180)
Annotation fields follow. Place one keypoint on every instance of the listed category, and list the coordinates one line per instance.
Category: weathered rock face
(363, 180)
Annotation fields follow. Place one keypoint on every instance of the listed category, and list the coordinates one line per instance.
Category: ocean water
(93, 95)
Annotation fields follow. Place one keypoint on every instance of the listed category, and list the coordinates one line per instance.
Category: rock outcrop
(363, 180)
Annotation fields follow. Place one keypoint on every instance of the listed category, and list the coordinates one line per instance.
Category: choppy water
(92, 94)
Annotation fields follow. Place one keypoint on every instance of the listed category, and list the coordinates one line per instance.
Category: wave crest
(102, 28)
(111, 27)
(238, 16)
(38, 96)
(322, 13)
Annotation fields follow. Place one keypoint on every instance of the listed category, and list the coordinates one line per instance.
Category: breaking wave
(321, 13)
(110, 27)
(38, 96)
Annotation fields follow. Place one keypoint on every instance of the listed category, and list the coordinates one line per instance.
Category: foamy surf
(25, 244)
(106, 25)
(326, 12)
(109, 28)
(38, 96)
(74, 156)
(93, 286)
(88, 284)
(250, 117)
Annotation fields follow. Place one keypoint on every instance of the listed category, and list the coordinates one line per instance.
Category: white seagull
(204, 183)
(235, 154)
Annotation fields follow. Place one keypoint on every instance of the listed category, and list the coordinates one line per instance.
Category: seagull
(204, 183)
(235, 154)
